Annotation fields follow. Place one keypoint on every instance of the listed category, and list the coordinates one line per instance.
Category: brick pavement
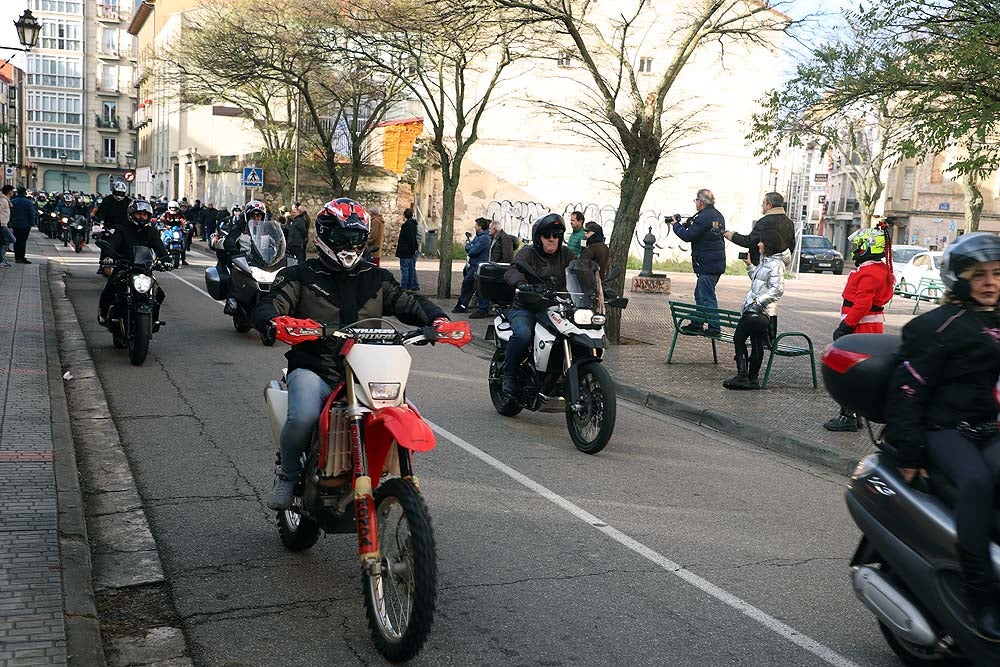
(32, 627)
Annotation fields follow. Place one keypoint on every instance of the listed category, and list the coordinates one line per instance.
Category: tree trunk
(447, 232)
(973, 202)
(635, 183)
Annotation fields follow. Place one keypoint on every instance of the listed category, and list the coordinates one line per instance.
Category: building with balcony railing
(80, 78)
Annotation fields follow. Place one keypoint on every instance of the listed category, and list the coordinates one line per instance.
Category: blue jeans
(408, 269)
(307, 392)
(522, 325)
(704, 295)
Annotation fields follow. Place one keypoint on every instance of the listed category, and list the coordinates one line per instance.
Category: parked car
(901, 256)
(818, 254)
(921, 265)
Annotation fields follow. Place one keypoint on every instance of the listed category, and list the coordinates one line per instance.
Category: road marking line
(194, 287)
(822, 652)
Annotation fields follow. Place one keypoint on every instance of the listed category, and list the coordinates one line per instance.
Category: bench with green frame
(689, 313)
(928, 289)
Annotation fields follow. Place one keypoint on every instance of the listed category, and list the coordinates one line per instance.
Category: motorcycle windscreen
(267, 243)
(143, 256)
(584, 285)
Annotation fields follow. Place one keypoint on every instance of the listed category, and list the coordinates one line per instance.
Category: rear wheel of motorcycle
(504, 405)
(400, 599)
(910, 654)
(138, 342)
(592, 426)
(297, 532)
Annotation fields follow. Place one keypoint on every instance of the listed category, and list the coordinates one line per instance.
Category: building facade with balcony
(80, 95)
(13, 169)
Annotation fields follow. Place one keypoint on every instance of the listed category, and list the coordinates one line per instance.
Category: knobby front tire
(400, 600)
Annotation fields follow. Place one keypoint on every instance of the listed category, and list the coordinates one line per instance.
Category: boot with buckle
(846, 422)
(740, 380)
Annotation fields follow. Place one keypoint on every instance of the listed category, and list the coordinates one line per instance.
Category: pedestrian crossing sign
(253, 177)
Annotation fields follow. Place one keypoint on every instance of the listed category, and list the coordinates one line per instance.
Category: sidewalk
(47, 614)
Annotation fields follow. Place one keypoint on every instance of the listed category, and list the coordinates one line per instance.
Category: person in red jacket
(868, 289)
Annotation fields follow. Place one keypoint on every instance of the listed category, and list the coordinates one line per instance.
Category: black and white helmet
(119, 190)
(140, 213)
(965, 252)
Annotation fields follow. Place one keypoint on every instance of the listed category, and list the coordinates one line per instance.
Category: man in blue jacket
(22, 217)
(704, 231)
(478, 250)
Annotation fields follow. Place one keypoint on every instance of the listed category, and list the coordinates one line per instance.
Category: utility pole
(298, 121)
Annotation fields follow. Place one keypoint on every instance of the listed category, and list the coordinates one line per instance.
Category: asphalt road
(674, 546)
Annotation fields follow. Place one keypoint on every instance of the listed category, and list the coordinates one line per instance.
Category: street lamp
(28, 31)
(128, 161)
(63, 157)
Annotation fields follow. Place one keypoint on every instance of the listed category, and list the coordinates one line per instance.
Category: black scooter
(906, 569)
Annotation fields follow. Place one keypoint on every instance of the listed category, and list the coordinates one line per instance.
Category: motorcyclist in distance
(944, 412)
(113, 211)
(548, 258)
(174, 218)
(338, 287)
(138, 232)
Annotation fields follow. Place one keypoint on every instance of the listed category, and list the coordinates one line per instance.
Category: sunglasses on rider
(551, 235)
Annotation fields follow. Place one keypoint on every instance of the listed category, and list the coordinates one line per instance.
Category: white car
(921, 265)
(901, 256)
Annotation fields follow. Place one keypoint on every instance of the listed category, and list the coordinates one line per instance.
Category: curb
(747, 431)
(82, 626)
(120, 549)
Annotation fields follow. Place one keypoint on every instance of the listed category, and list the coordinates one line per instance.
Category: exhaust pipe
(892, 607)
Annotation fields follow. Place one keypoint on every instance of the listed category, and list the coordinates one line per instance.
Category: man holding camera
(478, 249)
(704, 231)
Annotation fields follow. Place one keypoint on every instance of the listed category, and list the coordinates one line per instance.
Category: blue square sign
(253, 177)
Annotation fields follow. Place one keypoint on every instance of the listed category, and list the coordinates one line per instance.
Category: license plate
(824, 264)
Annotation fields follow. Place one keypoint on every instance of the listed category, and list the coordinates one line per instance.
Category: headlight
(583, 317)
(262, 276)
(598, 320)
(142, 283)
(177, 235)
(384, 391)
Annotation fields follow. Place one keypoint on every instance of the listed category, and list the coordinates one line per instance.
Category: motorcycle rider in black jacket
(548, 258)
(944, 412)
(137, 232)
(113, 211)
(339, 287)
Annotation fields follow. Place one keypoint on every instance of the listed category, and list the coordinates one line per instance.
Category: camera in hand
(743, 255)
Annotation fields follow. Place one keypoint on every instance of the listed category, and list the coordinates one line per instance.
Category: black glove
(677, 217)
(525, 287)
(842, 330)
(269, 334)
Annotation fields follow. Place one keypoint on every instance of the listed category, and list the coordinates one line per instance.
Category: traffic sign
(9, 172)
(253, 177)
(129, 176)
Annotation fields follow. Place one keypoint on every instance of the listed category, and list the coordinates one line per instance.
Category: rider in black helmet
(547, 257)
(138, 232)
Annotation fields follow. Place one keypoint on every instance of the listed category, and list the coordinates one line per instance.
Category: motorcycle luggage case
(491, 285)
(216, 284)
(856, 371)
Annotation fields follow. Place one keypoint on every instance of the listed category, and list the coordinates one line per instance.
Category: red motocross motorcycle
(358, 473)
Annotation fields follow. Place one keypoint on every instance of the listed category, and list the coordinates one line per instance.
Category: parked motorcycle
(173, 241)
(134, 314)
(358, 473)
(241, 280)
(563, 372)
(906, 569)
(78, 232)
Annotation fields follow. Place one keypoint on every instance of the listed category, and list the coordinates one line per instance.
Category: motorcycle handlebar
(292, 330)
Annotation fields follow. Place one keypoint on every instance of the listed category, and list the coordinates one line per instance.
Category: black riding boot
(740, 380)
(845, 421)
(980, 595)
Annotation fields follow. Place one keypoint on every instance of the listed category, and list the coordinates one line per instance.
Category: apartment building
(12, 167)
(80, 95)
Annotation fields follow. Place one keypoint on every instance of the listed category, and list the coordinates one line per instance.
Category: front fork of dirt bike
(364, 500)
